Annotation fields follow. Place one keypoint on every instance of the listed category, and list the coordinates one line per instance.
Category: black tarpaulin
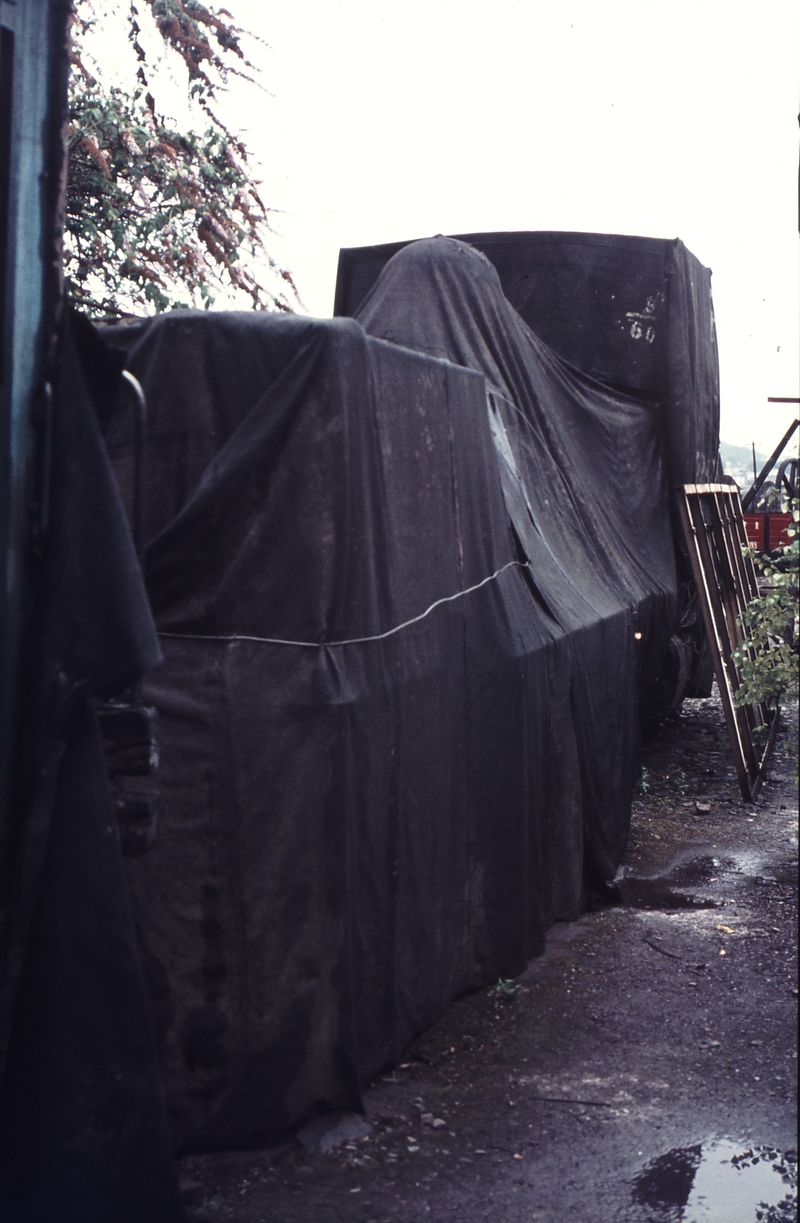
(582, 469)
(635, 313)
(350, 834)
(398, 703)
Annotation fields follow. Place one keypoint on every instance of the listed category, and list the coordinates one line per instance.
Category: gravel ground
(643, 1070)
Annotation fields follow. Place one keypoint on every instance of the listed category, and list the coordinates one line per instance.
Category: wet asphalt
(643, 1070)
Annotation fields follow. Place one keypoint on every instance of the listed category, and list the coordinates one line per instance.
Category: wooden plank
(685, 506)
(734, 579)
(717, 591)
(711, 517)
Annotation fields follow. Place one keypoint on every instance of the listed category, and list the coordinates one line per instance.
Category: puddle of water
(666, 1182)
(761, 868)
(749, 862)
(665, 891)
(720, 1182)
(696, 870)
(657, 894)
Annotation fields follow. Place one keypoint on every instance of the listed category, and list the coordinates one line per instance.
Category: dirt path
(642, 1071)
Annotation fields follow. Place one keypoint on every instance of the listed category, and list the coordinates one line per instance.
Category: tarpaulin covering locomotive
(410, 571)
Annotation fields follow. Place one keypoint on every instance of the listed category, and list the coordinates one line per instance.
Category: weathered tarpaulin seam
(324, 645)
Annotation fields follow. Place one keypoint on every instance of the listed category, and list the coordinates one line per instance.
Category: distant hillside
(740, 456)
(737, 461)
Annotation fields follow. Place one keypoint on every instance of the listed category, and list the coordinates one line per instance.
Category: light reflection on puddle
(721, 1182)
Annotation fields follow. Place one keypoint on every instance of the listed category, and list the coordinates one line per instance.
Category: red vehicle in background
(766, 531)
(764, 522)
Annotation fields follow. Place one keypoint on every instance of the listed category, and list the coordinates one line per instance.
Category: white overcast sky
(665, 118)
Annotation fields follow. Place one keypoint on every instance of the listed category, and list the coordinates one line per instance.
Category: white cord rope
(320, 645)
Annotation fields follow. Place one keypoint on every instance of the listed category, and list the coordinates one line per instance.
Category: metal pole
(760, 480)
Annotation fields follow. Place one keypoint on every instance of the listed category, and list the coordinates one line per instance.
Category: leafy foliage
(767, 659)
(185, 26)
(505, 990)
(158, 218)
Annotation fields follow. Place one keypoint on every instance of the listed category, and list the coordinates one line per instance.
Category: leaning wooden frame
(725, 577)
